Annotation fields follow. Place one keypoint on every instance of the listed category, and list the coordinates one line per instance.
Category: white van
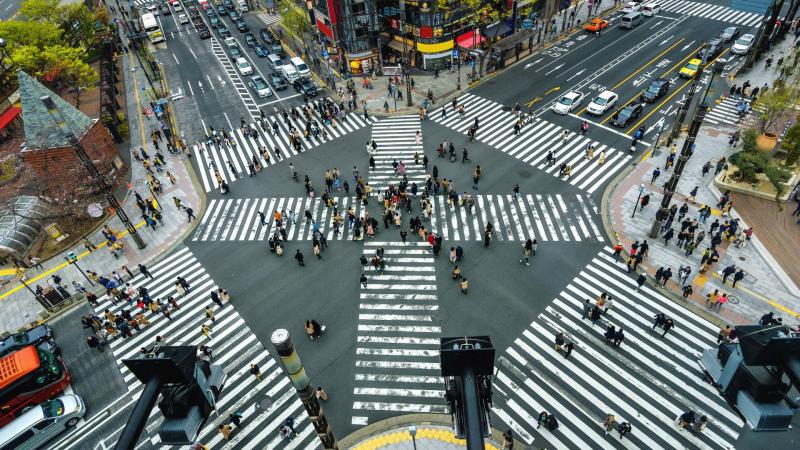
(300, 66)
(242, 5)
(651, 9)
(275, 61)
(631, 20)
(36, 427)
(290, 73)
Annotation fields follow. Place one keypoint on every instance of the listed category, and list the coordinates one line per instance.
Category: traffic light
(189, 388)
(71, 257)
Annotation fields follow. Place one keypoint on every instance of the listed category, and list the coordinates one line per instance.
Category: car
(165, 10)
(626, 114)
(36, 335)
(209, 10)
(183, 18)
(711, 50)
(234, 14)
(729, 34)
(691, 68)
(657, 89)
(743, 44)
(632, 7)
(260, 50)
(250, 40)
(215, 22)
(235, 52)
(277, 81)
(177, 7)
(568, 102)
(596, 24)
(231, 42)
(305, 86)
(222, 11)
(241, 25)
(243, 66)
(266, 36)
(204, 32)
(153, 8)
(228, 4)
(602, 103)
(223, 31)
(259, 86)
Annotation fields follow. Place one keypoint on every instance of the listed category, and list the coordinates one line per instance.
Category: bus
(152, 28)
(28, 377)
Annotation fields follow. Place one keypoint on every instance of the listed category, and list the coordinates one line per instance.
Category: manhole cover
(524, 173)
(742, 258)
(506, 108)
(265, 403)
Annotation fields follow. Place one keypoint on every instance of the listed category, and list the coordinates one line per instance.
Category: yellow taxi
(691, 68)
(595, 24)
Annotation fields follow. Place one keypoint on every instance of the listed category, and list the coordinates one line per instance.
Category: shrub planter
(765, 142)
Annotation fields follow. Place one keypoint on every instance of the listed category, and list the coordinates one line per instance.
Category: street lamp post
(638, 197)
(73, 260)
(658, 138)
(41, 299)
(99, 180)
(681, 113)
(412, 430)
(686, 152)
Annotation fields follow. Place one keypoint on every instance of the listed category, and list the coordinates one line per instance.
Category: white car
(259, 86)
(243, 66)
(743, 44)
(183, 18)
(153, 8)
(177, 7)
(568, 102)
(632, 7)
(602, 103)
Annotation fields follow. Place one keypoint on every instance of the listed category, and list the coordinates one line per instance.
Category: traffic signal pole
(293, 366)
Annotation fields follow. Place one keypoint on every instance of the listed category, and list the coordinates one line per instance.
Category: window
(43, 424)
(18, 441)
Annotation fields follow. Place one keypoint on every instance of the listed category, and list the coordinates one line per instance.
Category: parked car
(624, 115)
(743, 44)
(266, 36)
(222, 11)
(234, 14)
(260, 86)
(657, 89)
(214, 22)
(203, 31)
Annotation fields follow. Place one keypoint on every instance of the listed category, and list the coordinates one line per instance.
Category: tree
(21, 34)
(481, 13)
(774, 108)
(48, 11)
(791, 143)
(750, 162)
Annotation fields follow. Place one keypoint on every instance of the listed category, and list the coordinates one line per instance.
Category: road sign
(527, 24)
(148, 111)
(157, 109)
(324, 53)
(455, 53)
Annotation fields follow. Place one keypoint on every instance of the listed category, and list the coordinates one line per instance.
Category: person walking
(205, 330)
(619, 336)
(640, 282)
(363, 280)
(143, 270)
(464, 286)
(609, 423)
(738, 276)
(568, 347)
(210, 313)
(527, 249)
(235, 418)
(668, 325)
(299, 257)
(184, 284)
(321, 394)
(723, 334)
(225, 430)
(215, 298)
(508, 440)
(255, 371)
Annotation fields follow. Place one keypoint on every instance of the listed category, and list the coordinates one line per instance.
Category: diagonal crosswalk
(545, 217)
(725, 112)
(535, 140)
(212, 158)
(264, 404)
(396, 143)
(397, 350)
(711, 11)
(269, 19)
(648, 381)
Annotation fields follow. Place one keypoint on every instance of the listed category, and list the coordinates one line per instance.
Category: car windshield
(260, 84)
(654, 88)
(243, 64)
(729, 30)
(743, 41)
(566, 101)
(601, 101)
(691, 66)
(53, 408)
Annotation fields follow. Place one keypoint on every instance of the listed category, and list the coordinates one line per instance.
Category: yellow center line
(673, 94)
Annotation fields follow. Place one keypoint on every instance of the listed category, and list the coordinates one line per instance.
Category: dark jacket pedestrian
(143, 270)
(215, 298)
(299, 257)
(619, 336)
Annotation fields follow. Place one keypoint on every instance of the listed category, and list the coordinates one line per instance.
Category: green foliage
(752, 162)
(42, 11)
(774, 107)
(791, 143)
(293, 20)
(19, 34)
(748, 138)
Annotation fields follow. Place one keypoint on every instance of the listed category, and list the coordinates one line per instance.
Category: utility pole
(297, 373)
(100, 181)
(764, 31)
(680, 115)
(686, 152)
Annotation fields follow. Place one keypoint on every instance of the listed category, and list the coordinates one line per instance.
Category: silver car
(38, 426)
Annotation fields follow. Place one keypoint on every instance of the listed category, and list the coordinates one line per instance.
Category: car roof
(241, 60)
(748, 36)
(606, 94)
(695, 61)
(572, 94)
(659, 81)
(631, 105)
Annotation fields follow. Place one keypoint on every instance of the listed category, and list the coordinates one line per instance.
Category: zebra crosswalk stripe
(648, 381)
(545, 217)
(219, 158)
(725, 111)
(396, 142)
(710, 11)
(534, 142)
(397, 348)
(235, 347)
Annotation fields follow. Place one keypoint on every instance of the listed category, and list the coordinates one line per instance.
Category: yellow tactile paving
(387, 440)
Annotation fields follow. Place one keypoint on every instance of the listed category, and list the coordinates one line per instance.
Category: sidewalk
(19, 308)
(427, 437)
(766, 288)
(446, 85)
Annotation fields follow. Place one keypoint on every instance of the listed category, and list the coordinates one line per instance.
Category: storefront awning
(434, 48)
(399, 46)
(9, 115)
(497, 30)
(469, 40)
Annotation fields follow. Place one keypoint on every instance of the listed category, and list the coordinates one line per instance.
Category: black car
(712, 49)
(228, 4)
(241, 25)
(222, 11)
(657, 89)
(626, 114)
(224, 32)
(234, 52)
(203, 31)
(234, 15)
(34, 336)
(260, 50)
(266, 36)
(250, 40)
(306, 87)
(215, 22)
(277, 81)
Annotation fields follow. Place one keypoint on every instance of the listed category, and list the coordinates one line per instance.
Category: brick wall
(61, 162)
